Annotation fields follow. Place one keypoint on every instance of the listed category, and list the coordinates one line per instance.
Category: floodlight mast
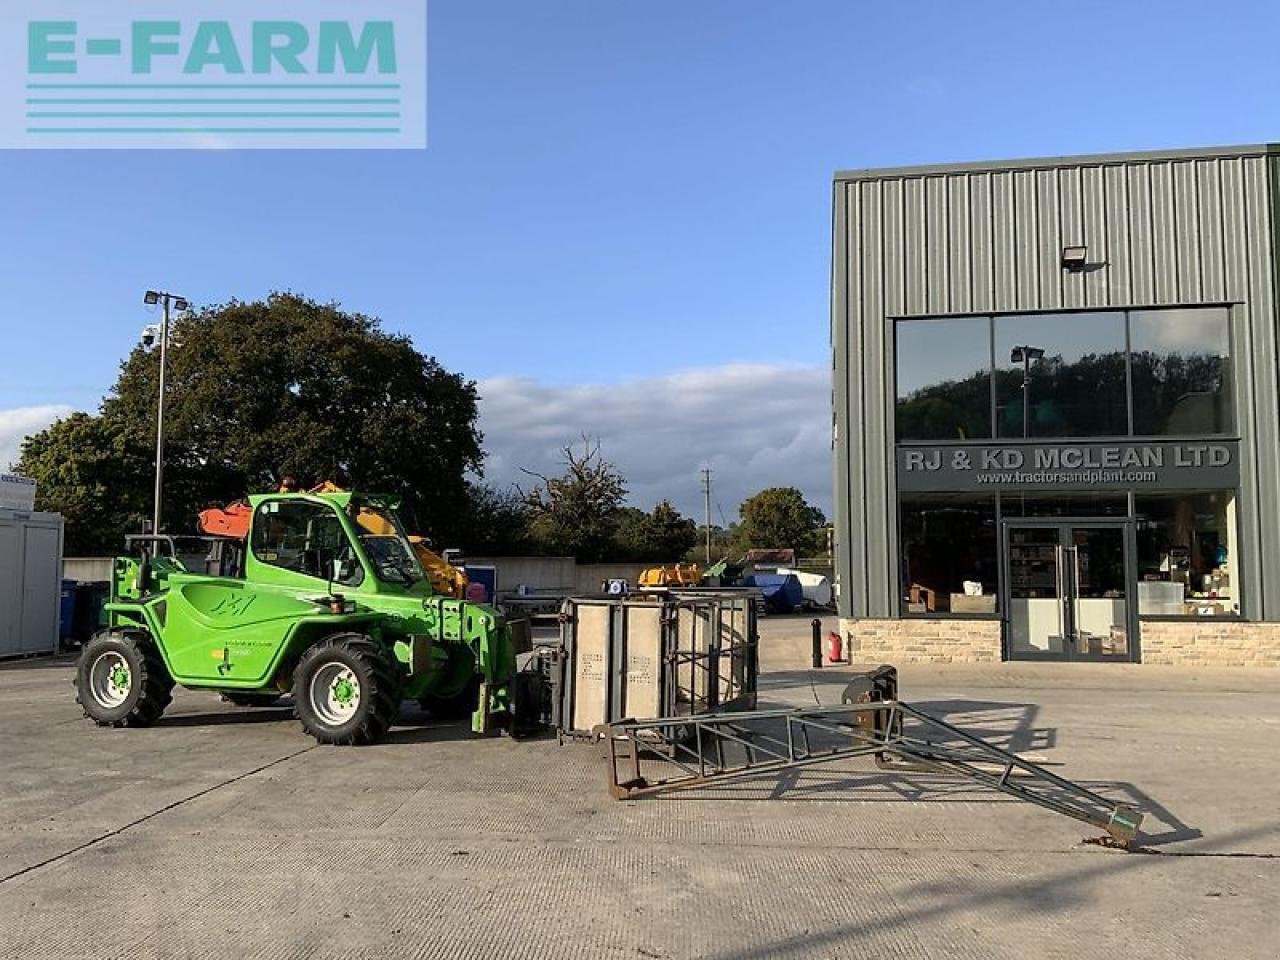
(1024, 354)
(151, 298)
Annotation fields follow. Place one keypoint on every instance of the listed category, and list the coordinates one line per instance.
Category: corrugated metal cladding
(1185, 228)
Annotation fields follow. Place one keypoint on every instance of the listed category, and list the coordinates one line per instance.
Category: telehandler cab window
(306, 538)
(385, 544)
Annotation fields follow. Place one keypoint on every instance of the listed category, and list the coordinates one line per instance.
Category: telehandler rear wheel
(121, 681)
(346, 689)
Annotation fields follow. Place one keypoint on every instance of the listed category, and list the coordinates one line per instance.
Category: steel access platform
(647, 757)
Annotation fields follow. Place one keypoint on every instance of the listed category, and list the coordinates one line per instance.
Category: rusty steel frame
(894, 733)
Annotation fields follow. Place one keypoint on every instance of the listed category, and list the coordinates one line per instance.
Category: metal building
(30, 578)
(1057, 415)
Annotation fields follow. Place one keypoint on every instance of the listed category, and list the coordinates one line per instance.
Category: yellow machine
(445, 577)
(672, 575)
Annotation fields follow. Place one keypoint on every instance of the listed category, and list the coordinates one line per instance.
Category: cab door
(230, 631)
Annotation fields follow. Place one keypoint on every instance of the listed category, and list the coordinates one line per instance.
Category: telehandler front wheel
(345, 689)
(121, 681)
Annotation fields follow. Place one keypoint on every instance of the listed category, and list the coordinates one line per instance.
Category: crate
(654, 655)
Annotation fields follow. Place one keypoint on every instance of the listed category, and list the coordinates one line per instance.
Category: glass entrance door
(1068, 586)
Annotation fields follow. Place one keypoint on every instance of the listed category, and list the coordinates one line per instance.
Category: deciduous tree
(575, 513)
(257, 391)
(781, 517)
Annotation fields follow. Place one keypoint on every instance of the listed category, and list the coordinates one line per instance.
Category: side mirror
(339, 571)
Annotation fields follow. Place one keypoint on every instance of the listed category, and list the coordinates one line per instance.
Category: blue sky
(614, 193)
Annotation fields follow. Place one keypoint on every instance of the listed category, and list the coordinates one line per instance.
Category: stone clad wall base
(1202, 643)
(921, 640)
(1210, 643)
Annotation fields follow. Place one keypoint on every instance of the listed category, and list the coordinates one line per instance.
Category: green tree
(497, 524)
(663, 535)
(781, 517)
(575, 513)
(283, 386)
(95, 475)
(723, 543)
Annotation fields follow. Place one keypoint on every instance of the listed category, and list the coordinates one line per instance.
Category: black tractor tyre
(121, 680)
(460, 706)
(252, 698)
(346, 690)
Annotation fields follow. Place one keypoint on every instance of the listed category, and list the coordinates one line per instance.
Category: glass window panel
(949, 554)
(1064, 505)
(944, 379)
(1187, 555)
(1061, 375)
(1181, 369)
(306, 538)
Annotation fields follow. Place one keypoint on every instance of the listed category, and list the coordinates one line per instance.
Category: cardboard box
(1203, 608)
(962, 603)
(1116, 643)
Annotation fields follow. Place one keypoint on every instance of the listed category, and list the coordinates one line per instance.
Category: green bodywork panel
(246, 634)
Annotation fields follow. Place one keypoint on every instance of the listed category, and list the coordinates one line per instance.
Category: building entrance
(1069, 589)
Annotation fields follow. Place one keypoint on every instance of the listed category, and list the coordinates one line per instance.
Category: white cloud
(755, 425)
(19, 423)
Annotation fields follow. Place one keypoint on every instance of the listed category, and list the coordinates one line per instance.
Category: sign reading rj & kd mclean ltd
(1180, 465)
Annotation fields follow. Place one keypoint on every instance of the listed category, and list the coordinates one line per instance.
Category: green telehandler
(330, 604)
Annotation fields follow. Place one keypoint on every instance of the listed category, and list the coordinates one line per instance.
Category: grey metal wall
(30, 564)
(1191, 227)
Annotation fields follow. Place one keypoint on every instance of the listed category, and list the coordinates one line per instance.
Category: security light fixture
(151, 298)
(180, 305)
(1074, 258)
(1025, 354)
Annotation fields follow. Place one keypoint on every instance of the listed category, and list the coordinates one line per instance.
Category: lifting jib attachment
(646, 757)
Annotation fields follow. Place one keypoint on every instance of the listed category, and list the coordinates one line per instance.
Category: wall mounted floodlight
(151, 298)
(1074, 258)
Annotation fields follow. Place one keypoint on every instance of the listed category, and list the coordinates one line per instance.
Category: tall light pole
(706, 492)
(1024, 354)
(151, 298)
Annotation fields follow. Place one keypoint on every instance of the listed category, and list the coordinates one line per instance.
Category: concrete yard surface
(225, 832)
